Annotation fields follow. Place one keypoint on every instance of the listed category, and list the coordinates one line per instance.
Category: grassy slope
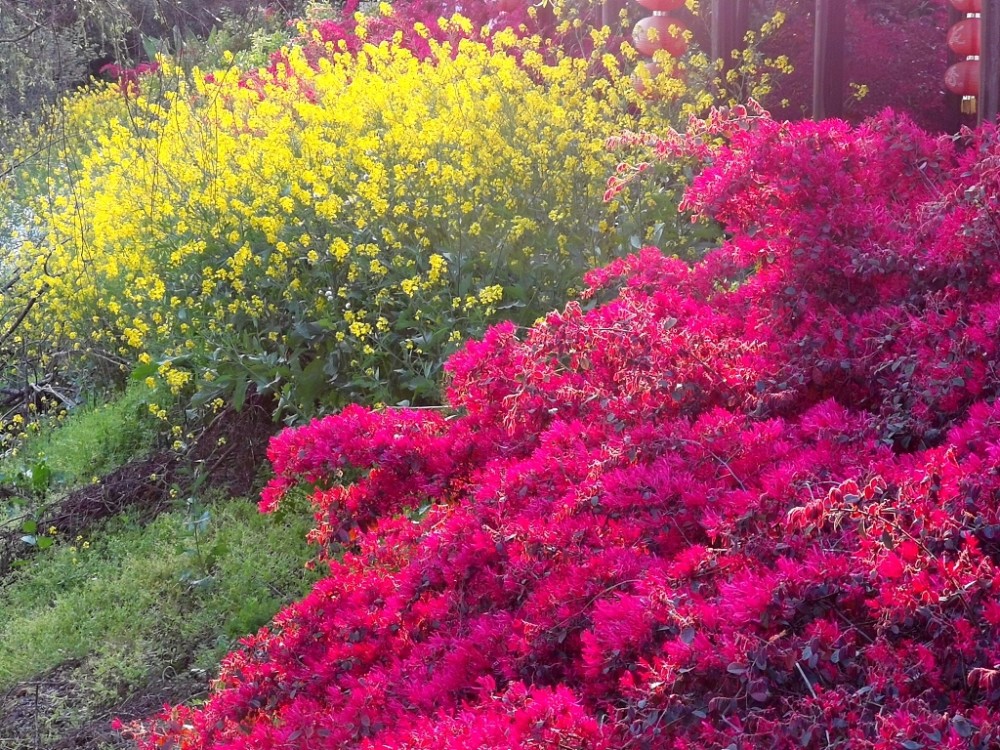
(141, 599)
(126, 608)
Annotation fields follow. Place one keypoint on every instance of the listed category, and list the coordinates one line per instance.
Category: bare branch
(21, 37)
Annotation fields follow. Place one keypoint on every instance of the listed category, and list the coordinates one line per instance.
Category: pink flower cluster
(128, 78)
(752, 502)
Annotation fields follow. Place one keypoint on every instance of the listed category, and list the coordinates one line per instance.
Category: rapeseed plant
(330, 227)
(323, 227)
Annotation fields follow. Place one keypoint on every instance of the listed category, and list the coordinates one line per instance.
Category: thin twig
(44, 388)
(806, 680)
(21, 37)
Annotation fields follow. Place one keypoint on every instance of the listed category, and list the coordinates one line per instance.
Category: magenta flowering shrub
(749, 503)
(128, 78)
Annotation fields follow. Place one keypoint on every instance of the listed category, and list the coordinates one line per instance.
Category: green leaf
(421, 386)
(41, 477)
(150, 46)
(30, 526)
(201, 523)
(240, 393)
(144, 371)
(511, 305)
(44, 542)
(307, 331)
(202, 583)
(312, 381)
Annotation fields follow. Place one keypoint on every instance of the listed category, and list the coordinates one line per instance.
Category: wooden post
(828, 59)
(742, 21)
(730, 19)
(989, 62)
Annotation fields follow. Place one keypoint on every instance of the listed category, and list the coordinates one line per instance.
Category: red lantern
(968, 6)
(654, 33)
(665, 5)
(963, 37)
(963, 78)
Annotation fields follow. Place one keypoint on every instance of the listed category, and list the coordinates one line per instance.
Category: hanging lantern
(659, 32)
(962, 78)
(965, 41)
(963, 37)
(967, 6)
(662, 6)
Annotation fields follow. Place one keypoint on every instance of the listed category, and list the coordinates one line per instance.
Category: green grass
(129, 610)
(141, 602)
(91, 441)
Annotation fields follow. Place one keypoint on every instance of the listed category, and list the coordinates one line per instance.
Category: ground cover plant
(126, 571)
(100, 437)
(48, 611)
(742, 503)
(56, 458)
(126, 609)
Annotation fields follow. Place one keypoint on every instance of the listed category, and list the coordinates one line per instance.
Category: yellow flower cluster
(753, 74)
(232, 219)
